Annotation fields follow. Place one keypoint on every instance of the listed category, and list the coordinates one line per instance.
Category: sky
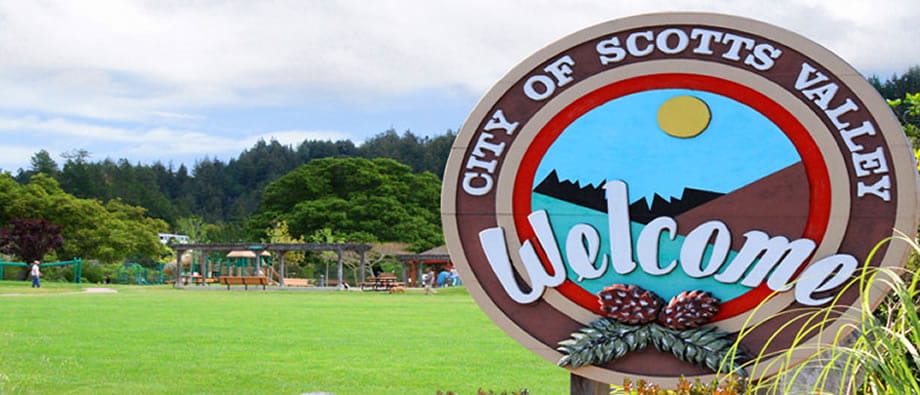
(624, 133)
(181, 81)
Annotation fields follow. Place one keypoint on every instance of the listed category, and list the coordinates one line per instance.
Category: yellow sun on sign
(683, 116)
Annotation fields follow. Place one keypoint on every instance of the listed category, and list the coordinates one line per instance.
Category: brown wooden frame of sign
(852, 223)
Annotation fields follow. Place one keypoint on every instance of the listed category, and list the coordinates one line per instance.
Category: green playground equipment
(246, 266)
(160, 269)
(76, 262)
(134, 273)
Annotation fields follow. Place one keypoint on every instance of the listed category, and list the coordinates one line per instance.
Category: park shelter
(258, 249)
(415, 263)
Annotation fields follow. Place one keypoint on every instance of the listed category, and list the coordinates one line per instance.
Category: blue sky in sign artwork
(624, 142)
(177, 81)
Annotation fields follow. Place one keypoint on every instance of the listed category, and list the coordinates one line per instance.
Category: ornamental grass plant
(874, 351)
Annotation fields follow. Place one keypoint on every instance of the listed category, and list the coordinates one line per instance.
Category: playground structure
(76, 262)
(252, 260)
(133, 273)
(206, 266)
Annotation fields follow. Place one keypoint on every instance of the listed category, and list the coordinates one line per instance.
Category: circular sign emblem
(674, 177)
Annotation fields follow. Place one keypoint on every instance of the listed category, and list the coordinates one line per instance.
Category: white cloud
(144, 145)
(62, 135)
(131, 59)
(86, 69)
(12, 157)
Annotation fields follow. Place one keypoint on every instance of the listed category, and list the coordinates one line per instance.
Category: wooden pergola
(281, 248)
(416, 262)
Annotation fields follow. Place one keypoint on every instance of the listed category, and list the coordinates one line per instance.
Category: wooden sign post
(628, 199)
(584, 386)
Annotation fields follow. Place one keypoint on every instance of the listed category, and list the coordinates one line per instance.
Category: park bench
(245, 281)
(296, 282)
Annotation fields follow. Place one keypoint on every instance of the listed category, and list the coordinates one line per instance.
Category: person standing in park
(36, 275)
(429, 279)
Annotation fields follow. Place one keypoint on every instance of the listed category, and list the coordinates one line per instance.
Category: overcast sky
(178, 81)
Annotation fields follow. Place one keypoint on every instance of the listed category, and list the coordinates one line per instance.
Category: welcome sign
(665, 179)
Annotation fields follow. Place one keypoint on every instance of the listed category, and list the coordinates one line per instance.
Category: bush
(95, 272)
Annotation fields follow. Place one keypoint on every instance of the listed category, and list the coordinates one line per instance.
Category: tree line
(897, 89)
(226, 193)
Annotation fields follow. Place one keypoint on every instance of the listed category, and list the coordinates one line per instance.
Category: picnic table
(383, 282)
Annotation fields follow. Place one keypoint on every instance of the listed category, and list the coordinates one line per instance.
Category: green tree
(93, 230)
(379, 199)
(899, 89)
(41, 163)
(420, 153)
(908, 111)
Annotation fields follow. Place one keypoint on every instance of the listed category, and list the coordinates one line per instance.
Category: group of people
(443, 279)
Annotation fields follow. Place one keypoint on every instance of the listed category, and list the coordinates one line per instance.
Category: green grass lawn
(153, 340)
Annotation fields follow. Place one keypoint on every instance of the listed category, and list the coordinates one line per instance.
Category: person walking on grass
(36, 275)
(429, 280)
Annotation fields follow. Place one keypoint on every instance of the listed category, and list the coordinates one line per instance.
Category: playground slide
(273, 276)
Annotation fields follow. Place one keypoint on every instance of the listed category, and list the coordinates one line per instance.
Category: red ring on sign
(815, 167)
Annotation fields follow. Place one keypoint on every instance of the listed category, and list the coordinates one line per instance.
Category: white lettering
(484, 143)
(705, 38)
(736, 42)
(672, 41)
(775, 260)
(871, 163)
(803, 81)
(849, 135)
(561, 70)
(662, 41)
(863, 163)
(539, 221)
(619, 226)
(493, 244)
(479, 183)
(581, 249)
(696, 244)
(610, 51)
(881, 188)
(469, 188)
(547, 84)
(773, 252)
(474, 162)
(824, 275)
(822, 95)
(632, 42)
(835, 113)
(498, 121)
(763, 57)
(647, 247)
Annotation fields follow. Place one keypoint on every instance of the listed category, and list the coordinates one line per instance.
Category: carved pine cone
(689, 309)
(630, 304)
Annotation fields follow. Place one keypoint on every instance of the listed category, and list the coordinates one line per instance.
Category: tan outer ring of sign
(902, 164)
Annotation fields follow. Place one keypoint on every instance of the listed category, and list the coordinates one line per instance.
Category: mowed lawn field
(157, 340)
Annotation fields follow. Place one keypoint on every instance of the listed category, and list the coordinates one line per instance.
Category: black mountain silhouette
(593, 197)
